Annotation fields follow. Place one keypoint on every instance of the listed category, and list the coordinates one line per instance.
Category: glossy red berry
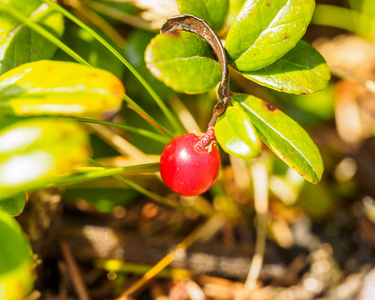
(186, 170)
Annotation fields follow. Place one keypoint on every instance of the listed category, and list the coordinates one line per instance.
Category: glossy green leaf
(16, 263)
(236, 134)
(136, 45)
(301, 71)
(265, 30)
(214, 12)
(13, 205)
(234, 9)
(59, 88)
(33, 152)
(22, 45)
(284, 136)
(182, 60)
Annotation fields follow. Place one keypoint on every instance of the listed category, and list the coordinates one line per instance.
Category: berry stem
(200, 27)
(209, 136)
(205, 140)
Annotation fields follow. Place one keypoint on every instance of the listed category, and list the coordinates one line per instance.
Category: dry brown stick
(117, 141)
(90, 242)
(157, 292)
(344, 74)
(74, 272)
(63, 291)
(211, 225)
(85, 12)
(260, 179)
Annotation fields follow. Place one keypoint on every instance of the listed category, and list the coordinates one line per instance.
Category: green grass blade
(171, 118)
(92, 175)
(43, 32)
(46, 34)
(157, 198)
(157, 137)
(139, 110)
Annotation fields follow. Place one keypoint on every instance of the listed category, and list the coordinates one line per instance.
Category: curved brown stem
(201, 28)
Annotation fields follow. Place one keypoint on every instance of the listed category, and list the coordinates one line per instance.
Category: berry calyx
(187, 170)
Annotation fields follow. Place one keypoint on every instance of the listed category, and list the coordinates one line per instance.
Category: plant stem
(201, 28)
(139, 110)
(209, 135)
(120, 16)
(205, 140)
(74, 272)
(344, 74)
(98, 21)
(143, 132)
(260, 180)
(105, 172)
(212, 225)
(117, 142)
(157, 198)
(171, 118)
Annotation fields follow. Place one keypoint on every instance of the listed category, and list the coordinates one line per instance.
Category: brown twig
(117, 142)
(98, 21)
(367, 83)
(147, 118)
(260, 179)
(213, 224)
(76, 277)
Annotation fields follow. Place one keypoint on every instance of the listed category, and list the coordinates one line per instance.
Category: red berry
(188, 171)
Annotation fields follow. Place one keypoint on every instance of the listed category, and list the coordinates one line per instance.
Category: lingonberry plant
(43, 103)
(270, 56)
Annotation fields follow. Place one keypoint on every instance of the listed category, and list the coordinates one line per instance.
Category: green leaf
(136, 45)
(301, 71)
(265, 30)
(8, 23)
(284, 136)
(13, 205)
(33, 152)
(236, 134)
(234, 9)
(182, 60)
(59, 88)
(22, 45)
(16, 263)
(214, 12)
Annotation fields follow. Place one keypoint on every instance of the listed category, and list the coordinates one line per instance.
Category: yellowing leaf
(34, 151)
(59, 88)
(19, 44)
